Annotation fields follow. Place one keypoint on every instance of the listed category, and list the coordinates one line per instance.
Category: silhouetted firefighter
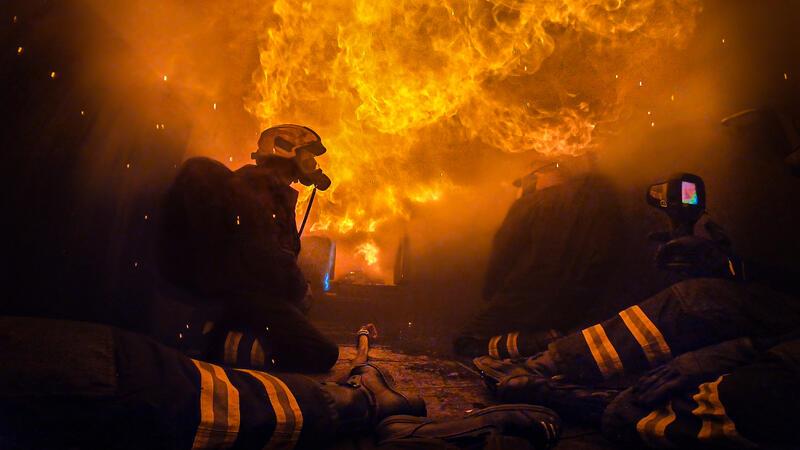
(229, 245)
(554, 254)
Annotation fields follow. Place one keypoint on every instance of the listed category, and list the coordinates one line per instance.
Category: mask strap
(308, 210)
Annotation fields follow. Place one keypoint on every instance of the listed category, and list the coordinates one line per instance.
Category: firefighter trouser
(77, 385)
(505, 313)
(517, 344)
(510, 326)
(756, 403)
(280, 338)
(687, 316)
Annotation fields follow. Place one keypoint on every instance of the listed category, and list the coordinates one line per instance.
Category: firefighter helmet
(288, 141)
(297, 143)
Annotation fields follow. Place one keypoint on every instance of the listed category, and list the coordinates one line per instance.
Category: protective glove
(690, 369)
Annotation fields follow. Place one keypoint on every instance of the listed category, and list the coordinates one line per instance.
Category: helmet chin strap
(308, 210)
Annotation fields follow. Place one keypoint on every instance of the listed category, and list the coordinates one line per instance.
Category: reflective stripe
(219, 409)
(288, 416)
(652, 429)
(295, 407)
(717, 426)
(493, 352)
(257, 357)
(647, 335)
(232, 347)
(605, 355)
(511, 344)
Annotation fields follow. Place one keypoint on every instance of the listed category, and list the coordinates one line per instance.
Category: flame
(399, 89)
(368, 251)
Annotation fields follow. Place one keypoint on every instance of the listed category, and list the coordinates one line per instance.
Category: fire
(368, 251)
(401, 89)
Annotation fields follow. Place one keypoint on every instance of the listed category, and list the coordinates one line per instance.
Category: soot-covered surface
(450, 389)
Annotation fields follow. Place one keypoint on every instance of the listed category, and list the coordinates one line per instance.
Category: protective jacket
(229, 241)
(564, 256)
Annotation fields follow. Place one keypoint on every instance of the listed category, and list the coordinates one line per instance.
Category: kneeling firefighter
(228, 245)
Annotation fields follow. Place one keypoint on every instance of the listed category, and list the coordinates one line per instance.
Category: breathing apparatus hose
(308, 210)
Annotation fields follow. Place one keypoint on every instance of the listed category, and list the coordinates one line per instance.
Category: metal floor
(450, 388)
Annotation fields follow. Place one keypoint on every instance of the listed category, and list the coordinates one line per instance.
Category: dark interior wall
(83, 168)
(750, 191)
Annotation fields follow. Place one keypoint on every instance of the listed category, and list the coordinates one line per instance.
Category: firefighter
(552, 255)
(671, 363)
(730, 395)
(228, 244)
(67, 385)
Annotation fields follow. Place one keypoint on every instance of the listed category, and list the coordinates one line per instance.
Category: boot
(366, 398)
(577, 403)
(512, 427)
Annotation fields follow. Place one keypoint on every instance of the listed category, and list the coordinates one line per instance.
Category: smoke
(429, 109)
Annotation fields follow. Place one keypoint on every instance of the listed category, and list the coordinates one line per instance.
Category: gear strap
(308, 210)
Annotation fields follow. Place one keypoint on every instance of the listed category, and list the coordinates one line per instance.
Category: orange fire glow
(368, 251)
(390, 84)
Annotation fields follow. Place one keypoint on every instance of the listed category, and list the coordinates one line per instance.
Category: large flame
(396, 87)
(368, 251)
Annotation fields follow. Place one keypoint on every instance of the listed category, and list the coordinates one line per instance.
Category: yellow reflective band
(289, 418)
(647, 335)
(605, 355)
(232, 347)
(203, 433)
(511, 344)
(717, 426)
(652, 428)
(257, 357)
(219, 409)
(493, 352)
(295, 407)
